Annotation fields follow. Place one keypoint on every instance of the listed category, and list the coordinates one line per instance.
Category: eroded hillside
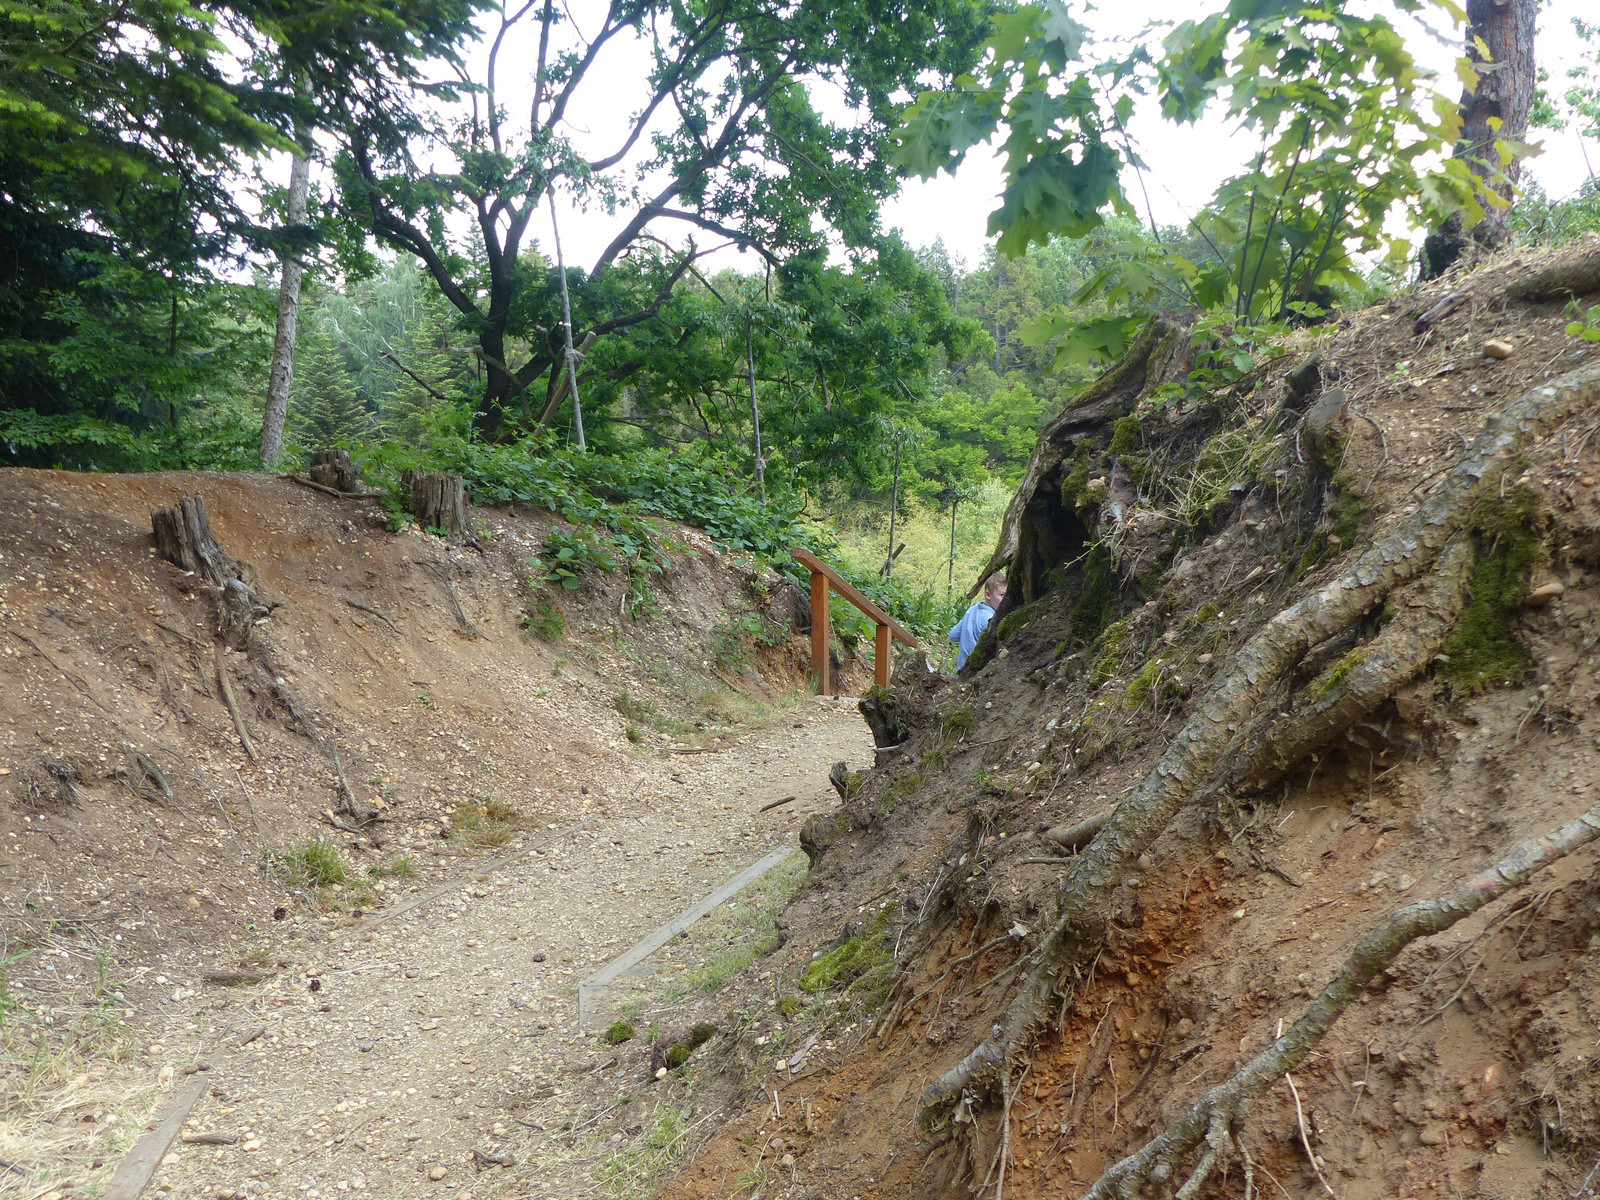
(1305, 641)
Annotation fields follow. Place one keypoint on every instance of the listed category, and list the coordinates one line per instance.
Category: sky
(1185, 164)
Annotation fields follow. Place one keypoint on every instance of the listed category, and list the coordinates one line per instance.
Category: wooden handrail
(822, 578)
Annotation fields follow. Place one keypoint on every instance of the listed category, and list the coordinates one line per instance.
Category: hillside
(407, 729)
(1008, 1004)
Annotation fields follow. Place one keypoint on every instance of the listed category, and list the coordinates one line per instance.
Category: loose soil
(161, 909)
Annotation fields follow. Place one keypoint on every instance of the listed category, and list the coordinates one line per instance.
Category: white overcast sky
(1186, 163)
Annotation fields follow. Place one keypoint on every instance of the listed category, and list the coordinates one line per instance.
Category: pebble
(1498, 348)
(661, 1072)
(437, 1173)
(787, 1162)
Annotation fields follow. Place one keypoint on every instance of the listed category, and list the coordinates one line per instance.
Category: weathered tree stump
(1571, 276)
(333, 469)
(183, 537)
(438, 501)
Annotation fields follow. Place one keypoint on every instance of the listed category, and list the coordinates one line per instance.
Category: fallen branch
(774, 804)
(1439, 312)
(233, 704)
(1408, 551)
(1229, 1101)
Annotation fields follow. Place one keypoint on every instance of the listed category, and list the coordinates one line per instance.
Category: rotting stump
(822, 578)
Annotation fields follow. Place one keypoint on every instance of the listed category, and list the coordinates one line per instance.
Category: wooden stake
(134, 1175)
(819, 631)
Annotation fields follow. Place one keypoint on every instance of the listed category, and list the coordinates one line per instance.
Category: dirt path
(395, 1050)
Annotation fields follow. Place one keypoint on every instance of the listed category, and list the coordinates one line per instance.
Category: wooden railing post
(824, 577)
(819, 631)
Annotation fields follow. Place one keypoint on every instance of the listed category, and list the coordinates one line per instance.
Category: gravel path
(394, 1050)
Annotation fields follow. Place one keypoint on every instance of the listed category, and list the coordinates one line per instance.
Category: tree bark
(1224, 1105)
(1195, 751)
(1497, 108)
(1366, 677)
(438, 501)
(183, 536)
(333, 469)
(1560, 280)
(282, 374)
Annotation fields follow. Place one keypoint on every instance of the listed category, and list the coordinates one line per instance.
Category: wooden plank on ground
(136, 1171)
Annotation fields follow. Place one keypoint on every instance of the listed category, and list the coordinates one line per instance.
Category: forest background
(833, 386)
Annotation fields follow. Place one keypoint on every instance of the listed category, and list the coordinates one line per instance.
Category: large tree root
(1367, 676)
(1197, 749)
(1566, 277)
(1219, 1112)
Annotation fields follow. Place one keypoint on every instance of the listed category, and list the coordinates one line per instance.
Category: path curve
(398, 1048)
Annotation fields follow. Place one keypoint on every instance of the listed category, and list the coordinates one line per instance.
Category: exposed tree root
(1399, 557)
(1220, 1111)
(1568, 277)
(1367, 676)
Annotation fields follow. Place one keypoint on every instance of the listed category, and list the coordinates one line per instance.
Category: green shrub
(314, 864)
(544, 621)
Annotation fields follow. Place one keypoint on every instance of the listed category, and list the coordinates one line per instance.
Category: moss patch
(856, 960)
(680, 1052)
(1097, 602)
(619, 1032)
(1340, 671)
(1110, 656)
(1483, 650)
(1127, 435)
(1019, 617)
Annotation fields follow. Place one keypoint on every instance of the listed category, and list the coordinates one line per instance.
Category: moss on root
(1484, 649)
(1019, 617)
(1097, 601)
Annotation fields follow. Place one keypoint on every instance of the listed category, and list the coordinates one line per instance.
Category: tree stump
(438, 501)
(183, 537)
(333, 468)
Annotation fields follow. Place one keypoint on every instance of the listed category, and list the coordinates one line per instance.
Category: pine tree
(434, 372)
(325, 408)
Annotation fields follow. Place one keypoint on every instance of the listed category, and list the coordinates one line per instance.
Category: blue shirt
(969, 629)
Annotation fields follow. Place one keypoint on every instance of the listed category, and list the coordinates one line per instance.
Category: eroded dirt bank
(1162, 527)
(168, 893)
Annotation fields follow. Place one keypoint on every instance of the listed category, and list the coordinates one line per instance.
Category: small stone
(537, 958)
(1185, 1026)
(661, 1072)
(787, 1162)
(1498, 348)
(1432, 1135)
(1204, 659)
(1404, 884)
(1544, 593)
(366, 1047)
(252, 1144)
(437, 1173)
(51, 1196)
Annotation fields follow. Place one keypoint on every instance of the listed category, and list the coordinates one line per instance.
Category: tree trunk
(333, 469)
(1497, 108)
(282, 374)
(183, 536)
(438, 501)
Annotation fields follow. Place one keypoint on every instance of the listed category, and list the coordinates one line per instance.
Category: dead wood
(1161, 342)
(362, 814)
(209, 1139)
(1226, 1104)
(333, 469)
(1076, 837)
(437, 501)
(153, 773)
(1404, 554)
(1363, 679)
(226, 687)
(236, 978)
(1576, 276)
(183, 537)
(1439, 312)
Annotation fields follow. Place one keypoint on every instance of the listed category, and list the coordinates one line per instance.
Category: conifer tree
(325, 408)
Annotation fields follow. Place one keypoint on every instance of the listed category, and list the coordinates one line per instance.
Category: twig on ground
(359, 607)
(233, 704)
(1305, 1136)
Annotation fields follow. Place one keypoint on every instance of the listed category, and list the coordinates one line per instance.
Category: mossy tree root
(1198, 748)
(1367, 676)
(1220, 1111)
(1566, 277)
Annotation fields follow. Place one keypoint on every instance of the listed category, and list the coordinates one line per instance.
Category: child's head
(994, 589)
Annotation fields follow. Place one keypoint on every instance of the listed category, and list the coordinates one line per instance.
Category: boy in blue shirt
(970, 628)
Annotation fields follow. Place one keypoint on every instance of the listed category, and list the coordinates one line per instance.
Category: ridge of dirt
(142, 849)
(1470, 1070)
